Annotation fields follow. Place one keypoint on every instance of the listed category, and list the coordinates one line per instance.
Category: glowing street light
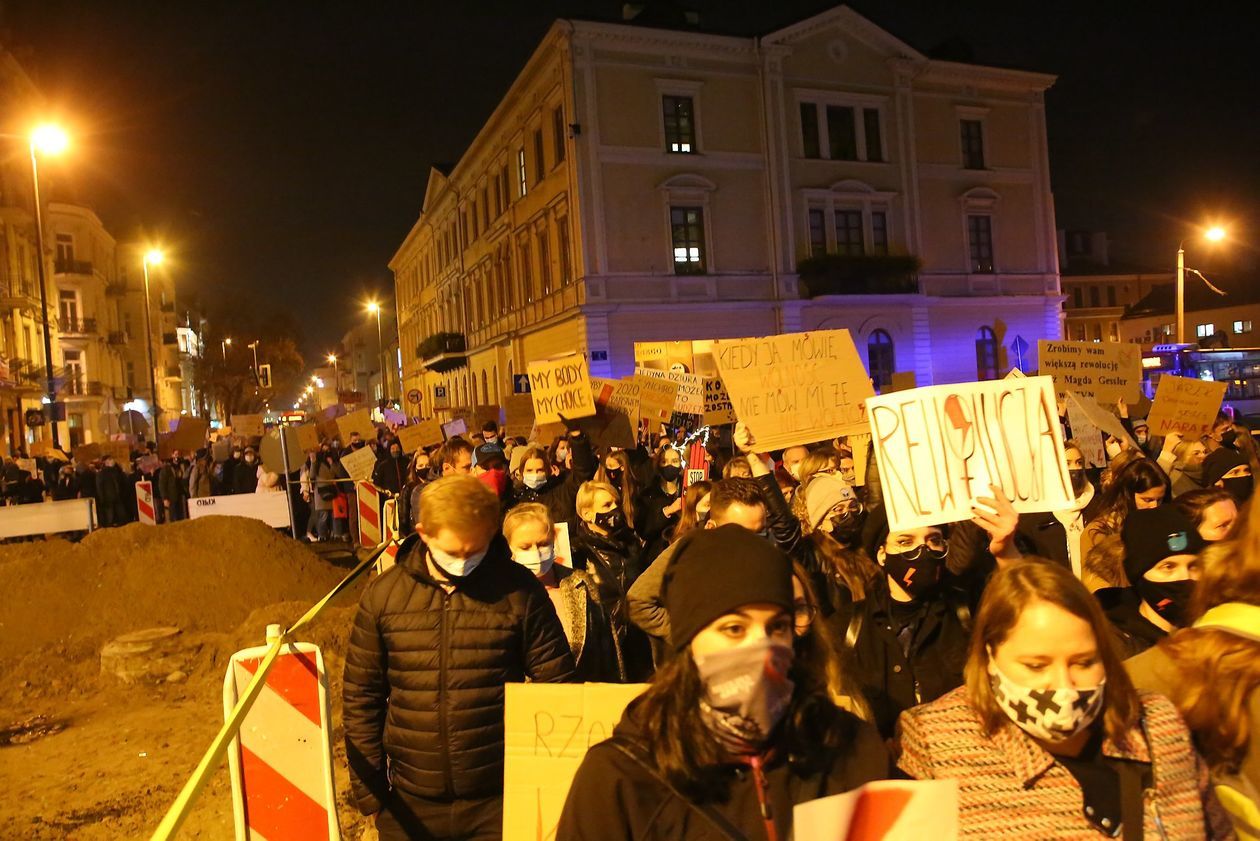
(45, 140)
(152, 257)
(1213, 234)
(375, 309)
(224, 344)
(48, 139)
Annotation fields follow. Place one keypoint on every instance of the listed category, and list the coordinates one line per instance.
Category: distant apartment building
(651, 185)
(1097, 291)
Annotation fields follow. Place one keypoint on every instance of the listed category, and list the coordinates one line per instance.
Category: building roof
(1162, 299)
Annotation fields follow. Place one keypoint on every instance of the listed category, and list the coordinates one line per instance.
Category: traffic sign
(1020, 347)
(413, 396)
(520, 384)
(440, 400)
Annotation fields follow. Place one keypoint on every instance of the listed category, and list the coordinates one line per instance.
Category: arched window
(986, 354)
(485, 389)
(880, 359)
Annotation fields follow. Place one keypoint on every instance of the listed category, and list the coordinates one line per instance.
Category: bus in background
(1238, 368)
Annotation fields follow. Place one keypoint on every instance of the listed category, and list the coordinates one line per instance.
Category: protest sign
(1015, 374)
(359, 463)
(548, 727)
(393, 416)
(57, 455)
(455, 428)
(656, 398)
(223, 432)
(940, 447)
(861, 447)
(902, 381)
(273, 456)
(1102, 371)
(518, 410)
(119, 450)
(251, 426)
(87, 452)
(221, 450)
(426, 433)
(27, 464)
(717, 403)
(602, 390)
(1185, 405)
(189, 436)
(1104, 420)
(307, 436)
(561, 386)
(796, 388)
(889, 810)
(39, 448)
(1086, 434)
(563, 546)
(360, 422)
(689, 399)
(626, 399)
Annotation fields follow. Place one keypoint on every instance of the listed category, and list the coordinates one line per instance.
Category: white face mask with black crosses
(1052, 715)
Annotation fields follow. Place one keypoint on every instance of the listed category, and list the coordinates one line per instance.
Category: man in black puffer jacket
(434, 641)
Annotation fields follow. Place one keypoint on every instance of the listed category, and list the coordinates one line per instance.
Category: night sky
(281, 149)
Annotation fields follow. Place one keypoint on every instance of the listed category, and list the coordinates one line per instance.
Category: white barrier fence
(271, 508)
(48, 517)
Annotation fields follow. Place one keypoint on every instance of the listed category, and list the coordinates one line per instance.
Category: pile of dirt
(207, 574)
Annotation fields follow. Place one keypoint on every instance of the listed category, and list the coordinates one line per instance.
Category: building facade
(1097, 292)
(648, 185)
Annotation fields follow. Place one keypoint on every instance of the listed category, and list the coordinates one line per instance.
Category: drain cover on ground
(35, 727)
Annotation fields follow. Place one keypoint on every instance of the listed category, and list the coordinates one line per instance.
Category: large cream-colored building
(641, 184)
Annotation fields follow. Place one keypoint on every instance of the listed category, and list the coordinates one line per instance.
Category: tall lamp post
(224, 344)
(152, 257)
(332, 359)
(1213, 234)
(45, 140)
(375, 309)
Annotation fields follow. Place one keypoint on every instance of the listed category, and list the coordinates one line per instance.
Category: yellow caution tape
(214, 754)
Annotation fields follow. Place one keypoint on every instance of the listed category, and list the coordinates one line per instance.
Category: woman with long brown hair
(615, 469)
(1211, 670)
(1048, 738)
(1138, 485)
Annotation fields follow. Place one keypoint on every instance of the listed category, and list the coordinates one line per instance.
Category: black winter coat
(650, 522)
(390, 474)
(245, 478)
(425, 674)
(1133, 632)
(614, 563)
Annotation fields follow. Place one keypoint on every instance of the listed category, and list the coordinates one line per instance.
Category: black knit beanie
(1220, 462)
(1152, 534)
(715, 571)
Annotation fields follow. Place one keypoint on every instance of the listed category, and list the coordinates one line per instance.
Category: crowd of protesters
(1080, 673)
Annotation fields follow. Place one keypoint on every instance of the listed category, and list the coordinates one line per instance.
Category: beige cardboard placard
(87, 452)
(1086, 434)
(455, 428)
(940, 447)
(561, 386)
(1015, 374)
(626, 399)
(359, 463)
(251, 426)
(39, 448)
(861, 447)
(307, 436)
(656, 398)
(119, 450)
(717, 403)
(1185, 405)
(360, 422)
(797, 388)
(1103, 419)
(548, 727)
(518, 410)
(602, 390)
(689, 399)
(189, 436)
(1102, 371)
(419, 435)
(902, 381)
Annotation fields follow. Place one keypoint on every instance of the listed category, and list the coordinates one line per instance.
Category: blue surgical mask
(537, 560)
(455, 566)
(535, 481)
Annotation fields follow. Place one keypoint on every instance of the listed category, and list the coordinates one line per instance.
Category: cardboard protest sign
(519, 412)
(656, 398)
(27, 464)
(689, 399)
(307, 436)
(563, 546)
(221, 450)
(861, 446)
(796, 388)
(1015, 374)
(889, 810)
(223, 432)
(1185, 405)
(1102, 371)
(359, 463)
(39, 448)
(902, 381)
(940, 447)
(360, 422)
(1104, 420)
(561, 386)
(273, 456)
(87, 452)
(455, 428)
(717, 403)
(119, 450)
(626, 399)
(1086, 434)
(420, 435)
(548, 728)
(189, 436)
(251, 426)
(602, 390)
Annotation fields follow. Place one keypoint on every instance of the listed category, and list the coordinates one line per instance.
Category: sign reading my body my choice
(561, 386)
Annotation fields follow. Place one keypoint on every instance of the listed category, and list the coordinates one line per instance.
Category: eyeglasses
(803, 615)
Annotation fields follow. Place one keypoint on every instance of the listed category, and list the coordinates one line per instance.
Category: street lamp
(224, 344)
(152, 257)
(1213, 234)
(254, 347)
(375, 309)
(45, 140)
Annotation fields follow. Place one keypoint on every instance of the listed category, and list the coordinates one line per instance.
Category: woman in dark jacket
(732, 733)
(536, 480)
(660, 503)
(67, 486)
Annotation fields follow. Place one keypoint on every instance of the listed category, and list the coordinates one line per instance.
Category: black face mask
(1240, 487)
(1228, 438)
(1169, 599)
(611, 521)
(1079, 481)
(614, 477)
(847, 530)
(917, 571)
(670, 472)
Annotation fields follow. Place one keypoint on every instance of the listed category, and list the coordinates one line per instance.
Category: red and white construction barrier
(281, 760)
(144, 503)
(370, 531)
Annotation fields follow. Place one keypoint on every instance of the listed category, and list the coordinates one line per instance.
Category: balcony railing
(443, 351)
(116, 288)
(72, 266)
(117, 337)
(839, 274)
(78, 326)
(78, 387)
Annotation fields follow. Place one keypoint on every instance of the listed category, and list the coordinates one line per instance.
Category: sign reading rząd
(939, 448)
(560, 386)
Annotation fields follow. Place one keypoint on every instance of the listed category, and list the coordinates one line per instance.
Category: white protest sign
(359, 463)
(941, 447)
(717, 403)
(271, 508)
(560, 386)
(1085, 433)
(796, 388)
(1104, 420)
(1185, 405)
(689, 399)
(563, 546)
(454, 428)
(890, 810)
(1102, 371)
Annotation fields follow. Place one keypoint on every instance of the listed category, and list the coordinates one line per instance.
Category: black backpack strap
(724, 827)
(1136, 778)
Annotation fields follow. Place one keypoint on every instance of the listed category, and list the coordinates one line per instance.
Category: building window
(879, 233)
(521, 175)
(540, 163)
(980, 242)
(809, 129)
(841, 133)
(986, 354)
(131, 377)
(1097, 332)
(562, 245)
(65, 248)
(69, 310)
(972, 143)
(817, 232)
(687, 234)
(558, 132)
(526, 273)
(1242, 326)
(1205, 331)
(680, 124)
(1114, 331)
(1111, 296)
(504, 188)
(544, 262)
(1094, 300)
(879, 358)
(874, 140)
(485, 208)
(849, 233)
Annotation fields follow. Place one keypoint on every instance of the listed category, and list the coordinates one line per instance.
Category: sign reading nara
(796, 388)
(1104, 371)
(940, 447)
(1185, 405)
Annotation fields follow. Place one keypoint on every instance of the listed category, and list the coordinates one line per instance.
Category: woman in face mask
(659, 505)
(531, 536)
(615, 469)
(1048, 738)
(1137, 486)
(733, 732)
(535, 481)
(1161, 563)
(1229, 469)
(1057, 535)
(832, 552)
(1182, 460)
(695, 510)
